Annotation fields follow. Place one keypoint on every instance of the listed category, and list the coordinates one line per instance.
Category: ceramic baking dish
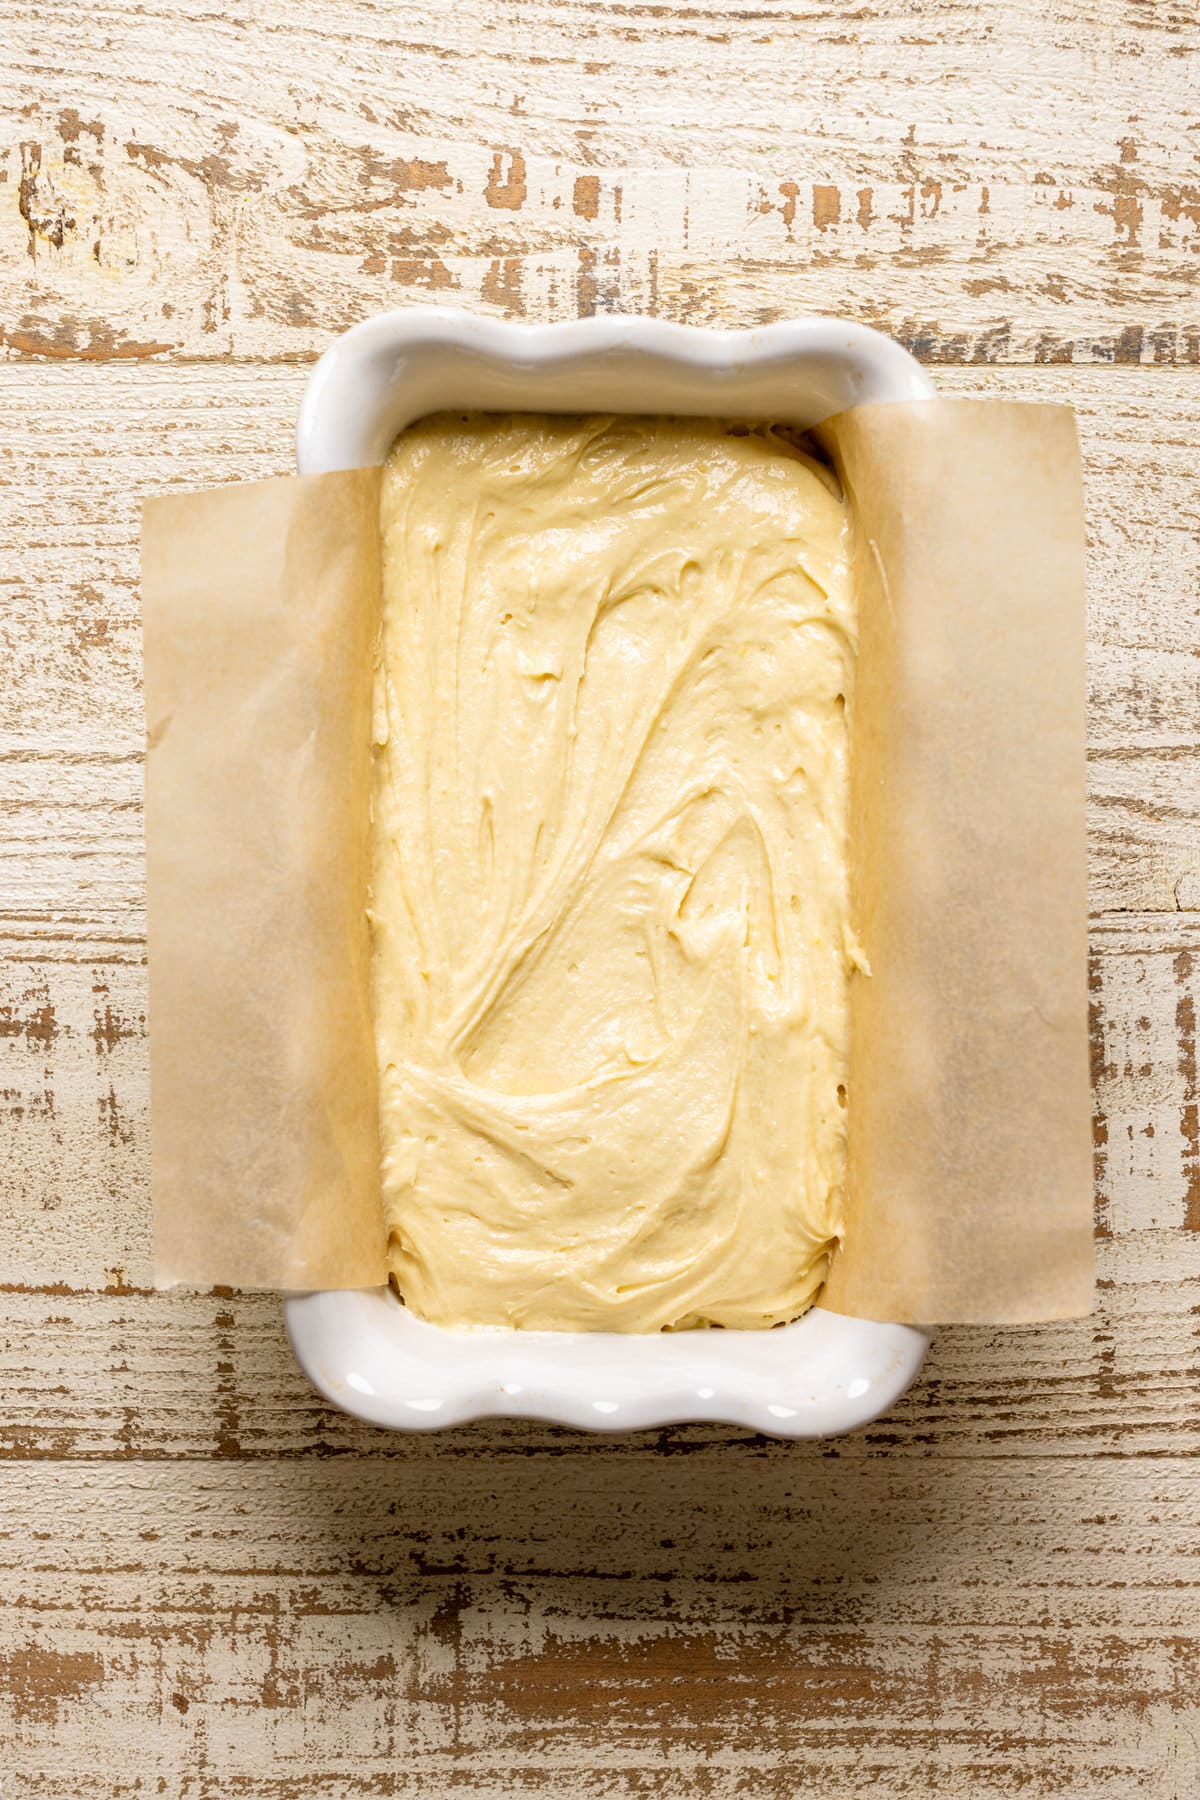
(363, 1349)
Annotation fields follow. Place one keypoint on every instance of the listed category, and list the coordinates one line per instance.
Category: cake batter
(609, 908)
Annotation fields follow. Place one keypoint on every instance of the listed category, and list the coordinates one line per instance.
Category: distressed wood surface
(989, 183)
(210, 1583)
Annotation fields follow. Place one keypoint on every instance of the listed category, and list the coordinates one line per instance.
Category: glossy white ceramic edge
(824, 1374)
(361, 1348)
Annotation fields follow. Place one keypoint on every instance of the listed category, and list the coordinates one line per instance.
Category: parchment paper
(970, 1148)
(260, 612)
(970, 1123)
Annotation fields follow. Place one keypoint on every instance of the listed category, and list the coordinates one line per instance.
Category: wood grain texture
(629, 1626)
(210, 1583)
(989, 185)
(180, 1374)
(82, 445)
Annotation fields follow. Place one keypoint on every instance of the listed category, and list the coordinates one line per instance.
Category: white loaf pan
(363, 1349)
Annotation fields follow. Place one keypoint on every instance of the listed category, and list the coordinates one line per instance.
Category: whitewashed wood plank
(120, 1373)
(992, 1590)
(94, 1365)
(81, 447)
(987, 190)
(74, 1105)
(679, 1625)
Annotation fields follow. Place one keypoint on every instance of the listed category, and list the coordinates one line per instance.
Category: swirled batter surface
(609, 895)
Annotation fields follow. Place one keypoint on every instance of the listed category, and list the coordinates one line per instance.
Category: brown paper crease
(970, 1136)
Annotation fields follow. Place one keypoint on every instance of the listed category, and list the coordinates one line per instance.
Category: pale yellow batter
(609, 898)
